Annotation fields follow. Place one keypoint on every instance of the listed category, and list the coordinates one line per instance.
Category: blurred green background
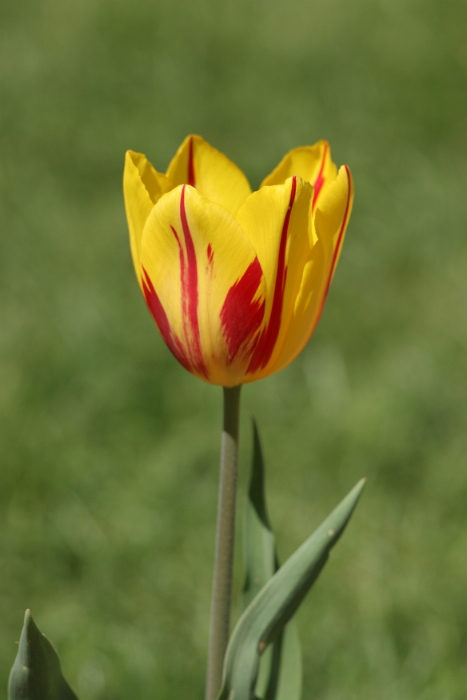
(109, 450)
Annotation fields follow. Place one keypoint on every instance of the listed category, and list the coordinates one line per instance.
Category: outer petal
(142, 188)
(311, 163)
(277, 221)
(203, 284)
(331, 219)
(333, 212)
(198, 164)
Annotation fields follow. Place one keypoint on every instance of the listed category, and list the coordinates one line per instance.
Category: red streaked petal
(267, 339)
(197, 257)
(198, 164)
(339, 241)
(189, 292)
(330, 220)
(241, 314)
(189, 352)
(160, 317)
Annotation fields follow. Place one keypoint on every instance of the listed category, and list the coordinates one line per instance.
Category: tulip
(236, 280)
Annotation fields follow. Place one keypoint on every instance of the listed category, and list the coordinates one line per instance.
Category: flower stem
(225, 535)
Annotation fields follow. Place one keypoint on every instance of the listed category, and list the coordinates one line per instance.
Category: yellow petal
(333, 212)
(331, 219)
(311, 163)
(277, 221)
(142, 188)
(198, 164)
(308, 306)
(203, 284)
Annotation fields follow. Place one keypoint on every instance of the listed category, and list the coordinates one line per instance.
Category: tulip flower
(236, 280)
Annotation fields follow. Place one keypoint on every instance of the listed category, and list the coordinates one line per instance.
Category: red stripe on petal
(338, 245)
(319, 182)
(210, 254)
(241, 315)
(190, 276)
(189, 289)
(267, 339)
(160, 317)
(191, 165)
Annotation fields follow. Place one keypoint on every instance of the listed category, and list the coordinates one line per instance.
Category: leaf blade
(36, 673)
(280, 669)
(278, 600)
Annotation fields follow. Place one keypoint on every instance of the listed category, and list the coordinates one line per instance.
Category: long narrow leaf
(36, 673)
(280, 669)
(278, 600)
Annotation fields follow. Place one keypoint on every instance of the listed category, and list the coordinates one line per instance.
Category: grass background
(109, 449)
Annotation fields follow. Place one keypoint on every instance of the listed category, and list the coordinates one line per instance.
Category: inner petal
(198, 164)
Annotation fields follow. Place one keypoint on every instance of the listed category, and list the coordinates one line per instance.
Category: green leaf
(280, 668)
(278, 600)
(36, 673)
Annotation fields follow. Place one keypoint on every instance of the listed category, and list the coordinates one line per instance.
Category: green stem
(225, 535)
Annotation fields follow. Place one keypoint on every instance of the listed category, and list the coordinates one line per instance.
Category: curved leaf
(280, 669)
(278, 600)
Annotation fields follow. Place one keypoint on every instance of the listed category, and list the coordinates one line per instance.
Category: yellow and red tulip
(236, 280)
